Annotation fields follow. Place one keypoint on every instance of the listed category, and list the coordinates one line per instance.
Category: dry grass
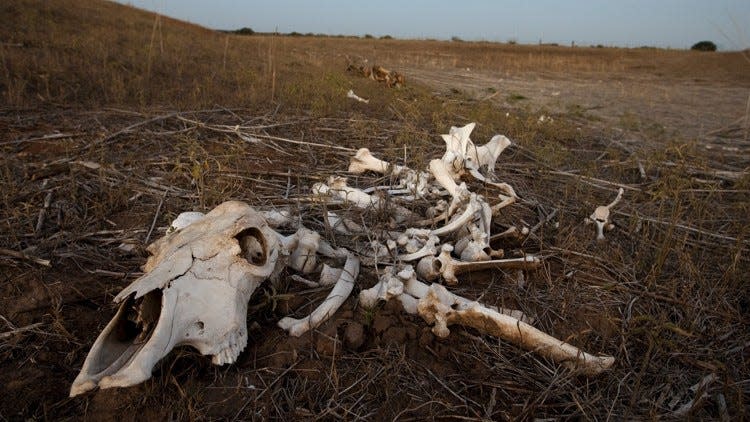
(154, 103)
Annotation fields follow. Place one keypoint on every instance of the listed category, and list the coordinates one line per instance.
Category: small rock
(354, 336)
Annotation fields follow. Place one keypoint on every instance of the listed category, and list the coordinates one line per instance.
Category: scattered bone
(364, 161)
(600, 217)
(339, 293)
(353, 96)
(337, 187)
(342, 225)
(278, 218)
(227, 253)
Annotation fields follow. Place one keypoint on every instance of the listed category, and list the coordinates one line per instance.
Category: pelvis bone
(198, 282)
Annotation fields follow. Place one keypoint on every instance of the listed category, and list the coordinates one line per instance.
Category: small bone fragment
(440, 308)
(329, 275)
(388, 286)
(449, 268)
(364, 161)
(475, 247)
(474, 206)
(429, 249)
(303, 258)
(342, 225)
(184, 219)
(354, 96)
(278, 218)
(339, 293)
(600, 217)
(338, 188)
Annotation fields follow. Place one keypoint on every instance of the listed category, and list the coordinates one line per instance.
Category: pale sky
(627, 23)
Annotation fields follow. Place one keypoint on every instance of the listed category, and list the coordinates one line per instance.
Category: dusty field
(102, 141)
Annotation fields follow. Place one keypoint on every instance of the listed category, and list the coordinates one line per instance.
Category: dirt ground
(694, 108)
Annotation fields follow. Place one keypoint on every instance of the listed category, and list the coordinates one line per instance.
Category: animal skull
(198, 282)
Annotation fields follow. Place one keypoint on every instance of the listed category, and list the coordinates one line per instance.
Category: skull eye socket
(253, 245)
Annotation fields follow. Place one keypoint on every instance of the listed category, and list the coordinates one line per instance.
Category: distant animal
(360, 70)
(378, 73)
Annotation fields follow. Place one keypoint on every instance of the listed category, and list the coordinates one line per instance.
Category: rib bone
(339, 293)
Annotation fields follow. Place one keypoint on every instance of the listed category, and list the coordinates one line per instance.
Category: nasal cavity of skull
(140, 317)
(253, 245)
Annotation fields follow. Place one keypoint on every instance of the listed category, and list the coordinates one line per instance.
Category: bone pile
(201, 275)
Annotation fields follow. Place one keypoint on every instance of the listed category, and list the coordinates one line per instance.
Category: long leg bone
(404, 286)
(439, 307)
(330, 305)
(444, 265)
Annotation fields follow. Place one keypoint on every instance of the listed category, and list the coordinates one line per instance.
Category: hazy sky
(663, 23)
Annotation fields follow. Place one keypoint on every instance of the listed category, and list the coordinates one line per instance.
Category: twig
(684, 227)
(11, 333)
(43, 211)
(588, 180)
(237, 415)
(42, 138)
(156, 217)
(23, 256)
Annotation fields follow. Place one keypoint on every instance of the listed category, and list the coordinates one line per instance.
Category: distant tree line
(250, 31)
(699, 46)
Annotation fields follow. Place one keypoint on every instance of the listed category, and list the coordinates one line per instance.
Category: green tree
(704, 46)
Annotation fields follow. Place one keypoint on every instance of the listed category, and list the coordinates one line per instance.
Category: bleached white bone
(194, 292)
(440, 308)
(278, 218)
(409, 181)
(457, 145)
(600, 216)
(338, 188)
(340, 292)
(329, 275)
(342, 225)
(447, 267)
(404, 286)
(353, 96)
(304, 256)
(475, 247)
(364, 161)
(470, 213)
(487, 154)
(429, 249)
(185, 219)
(388, 286)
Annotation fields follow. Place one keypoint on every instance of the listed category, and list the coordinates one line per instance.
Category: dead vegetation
(90, 163)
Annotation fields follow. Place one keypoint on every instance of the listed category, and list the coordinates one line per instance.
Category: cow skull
(198, 282)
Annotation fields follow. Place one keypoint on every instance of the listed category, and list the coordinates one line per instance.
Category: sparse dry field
(112, 119)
